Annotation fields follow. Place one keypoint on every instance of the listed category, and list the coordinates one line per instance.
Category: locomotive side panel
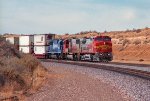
(56, 46)
(75, 45)
(86, 45)
(65, 46)
(71, 46)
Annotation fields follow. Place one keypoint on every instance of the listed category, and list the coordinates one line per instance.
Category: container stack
(13, 40)
(36, 44)
(41, 44)
(26, 44)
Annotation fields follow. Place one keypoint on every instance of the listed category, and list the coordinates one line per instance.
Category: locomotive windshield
(106, 38)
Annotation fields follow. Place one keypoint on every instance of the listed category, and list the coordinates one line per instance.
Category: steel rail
(129, 71)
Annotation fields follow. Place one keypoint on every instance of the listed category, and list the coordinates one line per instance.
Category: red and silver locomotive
(98, 48)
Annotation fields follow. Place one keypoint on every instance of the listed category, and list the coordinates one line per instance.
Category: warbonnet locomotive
(98, 48)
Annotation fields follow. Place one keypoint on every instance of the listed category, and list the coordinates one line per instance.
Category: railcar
(71, 49)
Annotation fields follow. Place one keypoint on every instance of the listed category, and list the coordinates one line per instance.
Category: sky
(72, 16)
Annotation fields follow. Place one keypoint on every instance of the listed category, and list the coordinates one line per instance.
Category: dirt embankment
(20, 74)
(130, 45)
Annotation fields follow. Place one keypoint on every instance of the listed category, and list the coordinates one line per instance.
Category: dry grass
(20, 74)
(137, 42)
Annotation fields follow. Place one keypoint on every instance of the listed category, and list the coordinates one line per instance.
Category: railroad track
(142, 71)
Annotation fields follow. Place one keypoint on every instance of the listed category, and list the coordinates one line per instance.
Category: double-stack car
(98, 48)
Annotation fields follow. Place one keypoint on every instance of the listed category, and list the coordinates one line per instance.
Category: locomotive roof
(101, 36)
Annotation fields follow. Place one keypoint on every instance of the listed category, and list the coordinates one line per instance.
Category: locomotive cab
(103, 47)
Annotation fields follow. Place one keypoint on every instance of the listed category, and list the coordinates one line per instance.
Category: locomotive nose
(103, 46)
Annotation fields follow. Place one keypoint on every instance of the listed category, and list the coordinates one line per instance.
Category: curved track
(142, 71)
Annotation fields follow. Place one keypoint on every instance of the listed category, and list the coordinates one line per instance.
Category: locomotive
(98, 48)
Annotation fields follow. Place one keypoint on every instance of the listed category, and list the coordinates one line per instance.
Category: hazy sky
(72, 16)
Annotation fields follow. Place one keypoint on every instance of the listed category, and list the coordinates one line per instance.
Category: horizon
(92, 31)
(72, 16)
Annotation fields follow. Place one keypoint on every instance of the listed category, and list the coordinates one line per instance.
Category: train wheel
(101, 59)
(78, 57)
(91, 56)
(49, 56)
(74, 57)
(46, 56)
(57, 56)
(64, 57)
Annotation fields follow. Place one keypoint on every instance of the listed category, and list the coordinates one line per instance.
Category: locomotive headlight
(109, 53)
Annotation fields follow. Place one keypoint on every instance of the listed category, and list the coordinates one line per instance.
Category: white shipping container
(43, 39)
(40, 50)
(26, 49)
(26, 40)
(13, 40)
(10, 40)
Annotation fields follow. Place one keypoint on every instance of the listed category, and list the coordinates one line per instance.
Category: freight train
(98, 48)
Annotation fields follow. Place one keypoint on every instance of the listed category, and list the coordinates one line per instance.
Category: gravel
(129, 87)
(125, 66)
(142, 68)
(134, 87)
